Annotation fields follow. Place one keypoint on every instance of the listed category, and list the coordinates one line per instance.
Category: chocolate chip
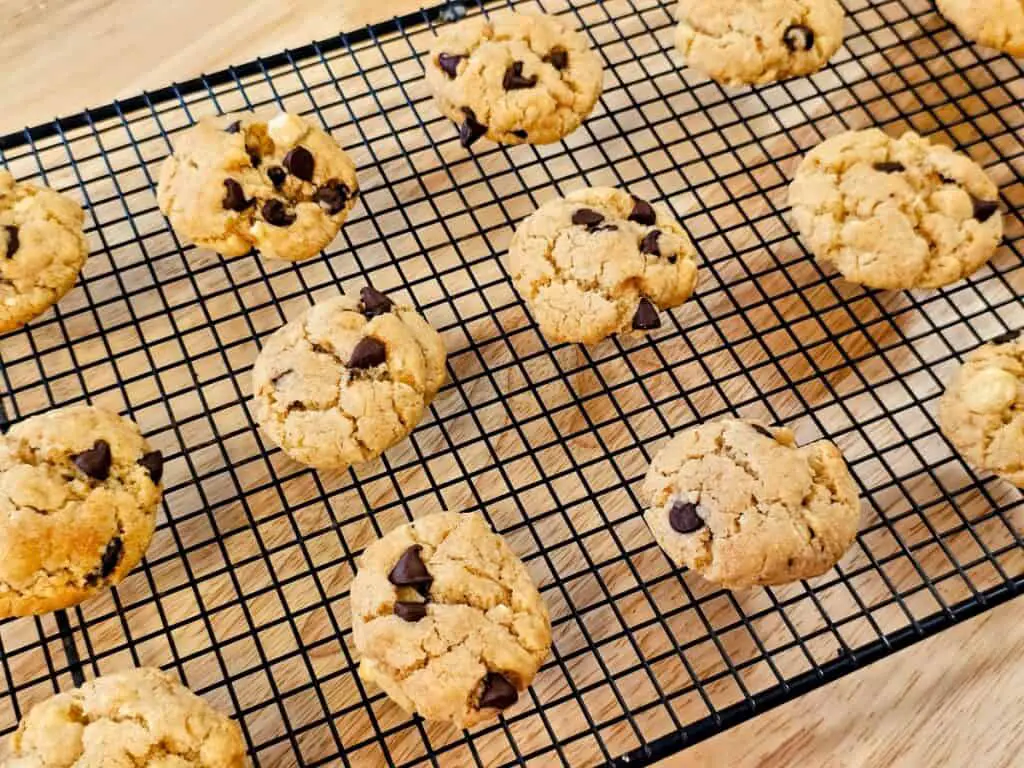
(277, 175)
(410, 611)
(275, 213)
(471, 129)
(369, 352)
(514, 80)
(643, 213)
(585, 217)
(683, 517)
(153, 462)
(605, 228)
(646, 317)
(521, 134)
(798, 38)
(234, 127)
(111, 556)
(374, 302)
(299, 162)
(94, 462)
(410, 571)
(498, 692)
(1006, 338)
(983, 209)
(649, 244)
(234, 196)
(946, 179)
(332, 196)
(889, 167)
(558, 58)
(763, 430)
(12, 240)
(254, 157)
(449, 63)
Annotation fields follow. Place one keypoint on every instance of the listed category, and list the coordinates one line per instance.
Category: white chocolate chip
(990, 390)
(286, 130)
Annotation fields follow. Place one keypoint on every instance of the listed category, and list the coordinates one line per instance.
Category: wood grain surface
(952, 700)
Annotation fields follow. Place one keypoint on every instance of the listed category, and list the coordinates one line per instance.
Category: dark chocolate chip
(275, 213)
(585, 217)
(299, 162)
(498, 692)
(983, 209)
(374, 302)
(514, 80)
(94, 462)
(410, 571)
(471, 129)
(12, 240)
(234, 196)
(798, 38)
(153, 462)
(449, 63)
(763, 430)
(369, 352)
(642, 213)
(1006, 338)
(254, 157)
(646, 317)
(332, 196)
(234, 127)
(111, 556)
(521, 134)
(558, 58)
(649, 244)
(946, 179)
(277, 175)
(410, 611)
(889, 167)
(605, 228)
(684, 518)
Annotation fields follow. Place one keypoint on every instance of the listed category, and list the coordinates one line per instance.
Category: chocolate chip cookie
(236, 183)
(895, 213)
(79, 489)
(982, 410)
(515, 79)
(600, 261)
(446, 619)
(997, 24)
(347, 379)
(144, 717)
(42, 249)
(743, 505)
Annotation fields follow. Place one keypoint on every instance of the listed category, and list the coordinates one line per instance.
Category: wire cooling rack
(244, 592)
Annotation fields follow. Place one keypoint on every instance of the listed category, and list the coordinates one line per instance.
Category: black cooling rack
(244, 592)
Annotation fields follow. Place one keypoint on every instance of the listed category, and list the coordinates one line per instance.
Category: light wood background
(952, 700)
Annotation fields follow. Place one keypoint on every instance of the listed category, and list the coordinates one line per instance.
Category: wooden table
(952, 700)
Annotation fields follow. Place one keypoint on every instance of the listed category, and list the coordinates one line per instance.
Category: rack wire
(244, 591)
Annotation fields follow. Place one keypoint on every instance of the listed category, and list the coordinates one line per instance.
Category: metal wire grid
(244, 590)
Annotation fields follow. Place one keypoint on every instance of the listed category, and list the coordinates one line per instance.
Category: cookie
(347, 379)
(516, 79)
(743, 505)
(737, 42)
(982, 409)
(895, 213)
(42, 249)
(142, 718)
(600, 262)
(997, 24)
(79, 489)
(446, 619)
(235, 183)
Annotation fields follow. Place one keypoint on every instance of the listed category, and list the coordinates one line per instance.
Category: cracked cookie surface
(347, 379)
(982, 409)
(42, 249)
(79, 489)
(737, 42)
(447, 620)
(600, 262)
(143, 718)
(518, 78)
(235, 183)
(895, 213)
(997, 24)
(743, 505)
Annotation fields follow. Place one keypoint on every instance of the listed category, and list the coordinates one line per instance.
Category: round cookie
(737, 42)
(997, 24)
(895, 213)
(600, 262)
(446, 619)
(42, 249)
(347, 379)
(982, 410)
(743, 505)
(517, 79)
(79, 489)
(236, 183)
(139, 718)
